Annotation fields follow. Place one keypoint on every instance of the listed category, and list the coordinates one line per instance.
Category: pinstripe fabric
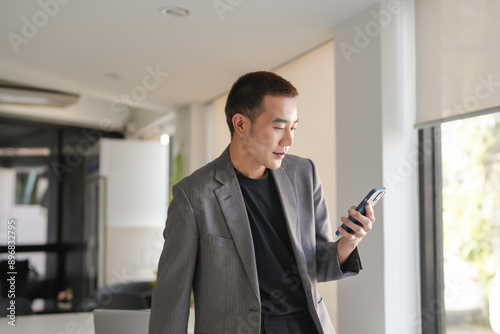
(208, 245)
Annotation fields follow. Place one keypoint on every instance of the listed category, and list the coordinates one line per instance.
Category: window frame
(432, 315)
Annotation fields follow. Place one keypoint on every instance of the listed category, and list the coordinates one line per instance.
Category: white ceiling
(75, 43)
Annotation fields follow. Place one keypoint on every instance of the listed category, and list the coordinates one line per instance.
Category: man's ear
(239, 123)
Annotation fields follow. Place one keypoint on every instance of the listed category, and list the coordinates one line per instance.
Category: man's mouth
(279, 154)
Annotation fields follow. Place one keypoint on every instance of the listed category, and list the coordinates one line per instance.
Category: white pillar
(193, 136)
(375, 141)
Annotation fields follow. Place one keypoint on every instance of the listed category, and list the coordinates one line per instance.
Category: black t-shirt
(281, 290)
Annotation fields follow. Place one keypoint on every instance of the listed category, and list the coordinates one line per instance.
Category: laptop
(121, 321)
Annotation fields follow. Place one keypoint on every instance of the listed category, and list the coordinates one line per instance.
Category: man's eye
(278, 128)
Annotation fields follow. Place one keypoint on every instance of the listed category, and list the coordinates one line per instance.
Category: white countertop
(59, 323)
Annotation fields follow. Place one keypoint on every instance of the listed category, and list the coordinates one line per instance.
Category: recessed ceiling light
(115, 76)
(175, 11)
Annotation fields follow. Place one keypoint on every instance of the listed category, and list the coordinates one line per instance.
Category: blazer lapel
(285, 180)
(233, 208)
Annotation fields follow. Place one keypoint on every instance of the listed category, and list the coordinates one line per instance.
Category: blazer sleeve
(172, 293)
(327, 263)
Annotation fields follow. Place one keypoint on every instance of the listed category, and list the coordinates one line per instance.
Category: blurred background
(104, 105)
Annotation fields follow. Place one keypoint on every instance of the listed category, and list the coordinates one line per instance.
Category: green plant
(176, 173)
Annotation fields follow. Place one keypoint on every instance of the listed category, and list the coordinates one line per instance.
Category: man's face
(272, 133)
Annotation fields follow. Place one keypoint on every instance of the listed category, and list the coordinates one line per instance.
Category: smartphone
(373, 197)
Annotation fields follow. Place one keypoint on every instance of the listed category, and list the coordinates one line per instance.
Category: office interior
(104, 106)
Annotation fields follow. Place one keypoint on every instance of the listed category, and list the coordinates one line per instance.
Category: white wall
(135, 208)
(376, 146)
(400, 167)
(136, 185)
(132, 253)
(221, 135)
(313, 76)
(193, 136)
(359, 169)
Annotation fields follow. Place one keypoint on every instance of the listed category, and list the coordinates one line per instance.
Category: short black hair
(247, 94)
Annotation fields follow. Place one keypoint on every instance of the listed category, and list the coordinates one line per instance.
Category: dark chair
(27, 280)
(139, 288)
(122, 301)
(22, 305)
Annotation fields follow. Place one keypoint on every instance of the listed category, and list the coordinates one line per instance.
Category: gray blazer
(208, 247)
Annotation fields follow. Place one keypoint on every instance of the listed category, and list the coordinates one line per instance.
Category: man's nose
(287, 139)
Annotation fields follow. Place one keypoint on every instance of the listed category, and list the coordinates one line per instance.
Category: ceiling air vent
(12, 93)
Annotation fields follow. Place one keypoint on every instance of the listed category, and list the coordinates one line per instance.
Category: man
(249, 232)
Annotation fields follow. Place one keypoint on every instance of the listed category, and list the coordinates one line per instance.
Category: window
(42, 179)
(460, 226)
(32, 186)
